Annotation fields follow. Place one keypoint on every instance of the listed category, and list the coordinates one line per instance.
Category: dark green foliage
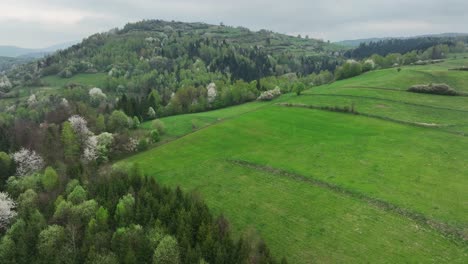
(384, 47)
(154, 135)
(119, 217)
(6, 167)
(433, 88)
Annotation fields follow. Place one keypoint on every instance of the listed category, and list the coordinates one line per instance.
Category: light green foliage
(125, 209)
(52, 245)
(71, 186)
(118, 121)
(50, 179)
(135, 122)
(349, 69)
(78, 195)
(100, 124)
(27, 202)
(70, 143)
(298, 88)
(167, 251)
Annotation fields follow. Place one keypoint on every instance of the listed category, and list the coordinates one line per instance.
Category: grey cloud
(332, 19)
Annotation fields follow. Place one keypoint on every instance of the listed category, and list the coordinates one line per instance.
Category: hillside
(14, 51)
(170, 47)
(324, 184)
(354, 43)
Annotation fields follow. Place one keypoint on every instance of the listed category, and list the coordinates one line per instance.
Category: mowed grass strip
(395, 163)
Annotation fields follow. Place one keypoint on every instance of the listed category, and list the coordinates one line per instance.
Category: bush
(159, 126)
(142, 144)
(349, 69)
(441, 89)
(270, 94)
(154, 135)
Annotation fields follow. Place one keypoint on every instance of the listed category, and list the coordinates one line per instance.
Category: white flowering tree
(151, 113)
(5, 84)
(80, 127)
(270, 94)
(32, 100)
(64, 103)
(27, 162)
(97, 147)
(97, 95)
(211, 92)
(7, 212)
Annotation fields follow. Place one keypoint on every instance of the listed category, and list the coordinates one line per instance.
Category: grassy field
(330, 187)
(92, 79)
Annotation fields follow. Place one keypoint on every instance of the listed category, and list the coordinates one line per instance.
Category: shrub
(349, 69)
(142, 144)
(270, 94)
(154, 135)
(159, 126)
(441, 89)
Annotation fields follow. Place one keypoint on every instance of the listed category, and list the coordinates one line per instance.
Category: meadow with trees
(171, 142)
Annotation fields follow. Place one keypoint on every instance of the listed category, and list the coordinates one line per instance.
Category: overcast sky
(40, 23)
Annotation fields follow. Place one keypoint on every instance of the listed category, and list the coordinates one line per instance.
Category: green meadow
(387, 186)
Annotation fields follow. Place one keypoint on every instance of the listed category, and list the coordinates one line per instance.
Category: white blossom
(211, 91)
(97, 147)
(80, 127)
(131, 146)
(65, 103)
(27, 162)
(96, 94)
(270, 94)
(370, 62)
(105, 139)
(7, 212)
(90, 152)
(151, 113)
(5, 83)
(32, 100)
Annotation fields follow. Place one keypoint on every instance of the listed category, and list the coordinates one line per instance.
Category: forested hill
(384, 47)
(169, 47)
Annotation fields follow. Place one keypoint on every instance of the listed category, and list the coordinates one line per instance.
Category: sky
(42, 23)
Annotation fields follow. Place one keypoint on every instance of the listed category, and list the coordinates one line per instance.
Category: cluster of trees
(116, 216)
(385, 47)
(432, 54)
(59, 203)
(168, 56)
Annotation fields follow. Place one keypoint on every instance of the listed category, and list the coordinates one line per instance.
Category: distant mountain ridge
(356, 42)
(14, 51)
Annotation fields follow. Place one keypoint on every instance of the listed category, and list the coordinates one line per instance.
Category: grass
(315, 183)
(310, 221)
(90, 79)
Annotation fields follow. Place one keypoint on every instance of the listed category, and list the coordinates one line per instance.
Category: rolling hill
(385, 182)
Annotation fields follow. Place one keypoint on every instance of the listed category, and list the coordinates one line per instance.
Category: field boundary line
(456, 234)
(352, 112)
(389, 100)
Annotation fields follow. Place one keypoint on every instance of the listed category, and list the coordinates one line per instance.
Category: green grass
(179, 125)
(355, 160)
(90, 79)
(307, 223)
